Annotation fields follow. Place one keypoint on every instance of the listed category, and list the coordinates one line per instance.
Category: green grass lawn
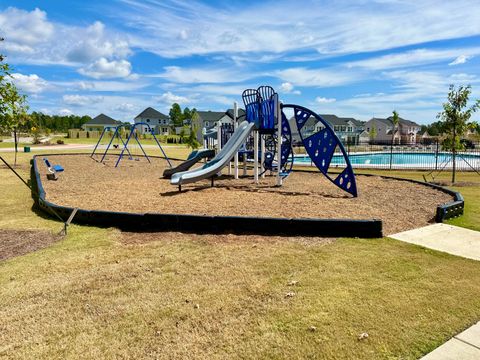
(99, 293)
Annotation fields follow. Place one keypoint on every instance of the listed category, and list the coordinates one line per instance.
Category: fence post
(436, 156)
(391, 154)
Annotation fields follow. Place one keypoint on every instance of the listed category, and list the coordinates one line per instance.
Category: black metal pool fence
(423, 156)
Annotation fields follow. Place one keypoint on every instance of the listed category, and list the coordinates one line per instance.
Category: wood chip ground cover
(137, 186)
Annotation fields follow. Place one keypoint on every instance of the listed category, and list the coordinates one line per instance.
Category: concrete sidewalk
(456, 241)
(447, 238)
(464, 346)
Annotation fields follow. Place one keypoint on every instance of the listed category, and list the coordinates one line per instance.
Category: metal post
(255, 156)
(262, 155)
(278, 116)
(436, 156)
(235, 125)
(219, 140)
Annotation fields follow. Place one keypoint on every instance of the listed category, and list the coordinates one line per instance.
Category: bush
(60, 142)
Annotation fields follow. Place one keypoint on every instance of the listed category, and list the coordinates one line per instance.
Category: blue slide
(222, 159)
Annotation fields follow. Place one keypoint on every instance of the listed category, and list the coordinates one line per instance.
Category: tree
(395, 121)
(373, 133)
(455, 119)
(191, 138)
(13, 105)
(176, 115)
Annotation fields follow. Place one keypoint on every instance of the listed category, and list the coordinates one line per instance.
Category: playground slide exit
(219, 161)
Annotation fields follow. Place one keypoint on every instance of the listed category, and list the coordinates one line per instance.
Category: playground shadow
(260, 189)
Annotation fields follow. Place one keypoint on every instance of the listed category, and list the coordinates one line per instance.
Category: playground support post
(235, 125)
(262, 155)
(219, 140)
(255, 156)
(278, 117)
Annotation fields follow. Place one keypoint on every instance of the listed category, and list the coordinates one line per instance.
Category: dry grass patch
(190, 296)
(20, 242)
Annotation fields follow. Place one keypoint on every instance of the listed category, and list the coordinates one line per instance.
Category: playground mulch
(20, 242)
(137, 186)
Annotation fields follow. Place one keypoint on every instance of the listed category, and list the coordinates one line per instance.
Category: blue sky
(349, 58)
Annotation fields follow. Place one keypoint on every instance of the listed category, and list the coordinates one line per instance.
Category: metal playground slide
(221, 160)
(192, 159)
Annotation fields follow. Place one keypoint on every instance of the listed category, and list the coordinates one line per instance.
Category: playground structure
(272, 143)
(132, 134)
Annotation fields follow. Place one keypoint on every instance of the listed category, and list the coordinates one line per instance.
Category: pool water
(406, 159)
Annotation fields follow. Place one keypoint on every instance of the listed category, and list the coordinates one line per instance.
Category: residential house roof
(229, 113)
(150, 112)
(102, 119)
(210, 115)
(388, 121)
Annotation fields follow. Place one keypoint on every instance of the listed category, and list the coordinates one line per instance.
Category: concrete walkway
(464, 346)
(447, 238)
(461, 242)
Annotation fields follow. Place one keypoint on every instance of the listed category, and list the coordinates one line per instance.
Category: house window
(148, 120)
(350, 129)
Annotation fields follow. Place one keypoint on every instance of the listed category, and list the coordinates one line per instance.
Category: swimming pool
(402, 160)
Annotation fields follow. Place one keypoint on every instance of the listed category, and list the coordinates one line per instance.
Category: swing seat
(56, 168)
(52, 170)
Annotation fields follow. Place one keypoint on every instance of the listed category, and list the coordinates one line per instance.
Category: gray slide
(219, 161)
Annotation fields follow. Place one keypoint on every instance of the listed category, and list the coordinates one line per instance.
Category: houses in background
(349, 130)
(150, 118)
(205, 122)
(382, 130)
(100, 122)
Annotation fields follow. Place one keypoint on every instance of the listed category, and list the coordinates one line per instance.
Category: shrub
(60, 142)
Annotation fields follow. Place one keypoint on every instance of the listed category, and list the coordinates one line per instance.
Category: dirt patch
(20, 242)
(137, 186)
(135, 238)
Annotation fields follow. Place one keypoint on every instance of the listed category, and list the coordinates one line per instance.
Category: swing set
(132, 134)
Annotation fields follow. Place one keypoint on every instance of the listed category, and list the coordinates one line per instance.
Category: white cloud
(287, 88)
(32, 84)
(80, 100)
(324, 100)
(462, 59)
(169, 98)
(30, 38)
(124, 107)
(96, 43)
(65, 112)
(329, 27)
(318, 77)
(24, 30)
(102, 68)
(178, 74)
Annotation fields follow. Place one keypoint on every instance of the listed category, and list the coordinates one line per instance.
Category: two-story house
(158, 122)
(347, 129)
(206, 121)
(382, 130)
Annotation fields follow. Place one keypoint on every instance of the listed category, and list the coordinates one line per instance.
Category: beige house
(405, 132)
